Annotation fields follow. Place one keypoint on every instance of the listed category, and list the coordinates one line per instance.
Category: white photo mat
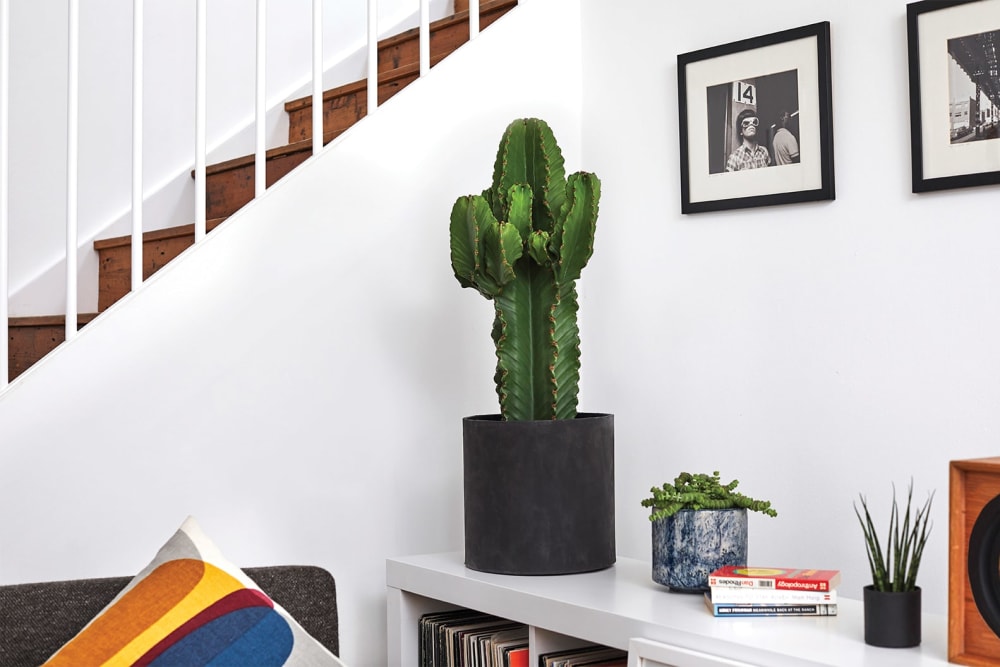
(799, 55)
(941, 158)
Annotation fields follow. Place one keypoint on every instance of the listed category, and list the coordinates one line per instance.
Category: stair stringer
(296, 380)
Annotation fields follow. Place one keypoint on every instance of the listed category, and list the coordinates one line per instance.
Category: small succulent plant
(700, 491)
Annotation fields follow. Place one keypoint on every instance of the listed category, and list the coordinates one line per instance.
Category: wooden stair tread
(409, 69)
(48, 320)
(486, 7)
(156, 235)
(359, 86)
(270, 154)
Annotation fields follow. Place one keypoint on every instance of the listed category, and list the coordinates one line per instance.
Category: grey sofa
(37, 619)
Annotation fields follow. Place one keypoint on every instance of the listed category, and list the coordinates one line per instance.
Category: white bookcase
(624, 608)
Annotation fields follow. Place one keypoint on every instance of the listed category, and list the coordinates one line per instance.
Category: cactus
(523, 244)
(700, 491)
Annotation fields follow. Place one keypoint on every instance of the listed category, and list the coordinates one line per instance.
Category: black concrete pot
(539, 495)
(892, 620)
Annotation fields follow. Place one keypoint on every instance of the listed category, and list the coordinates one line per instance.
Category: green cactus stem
(523, 243)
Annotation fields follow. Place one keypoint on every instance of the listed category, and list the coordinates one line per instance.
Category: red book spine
(775, 578)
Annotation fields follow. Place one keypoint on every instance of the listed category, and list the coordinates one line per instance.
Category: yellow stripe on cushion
(159, 604)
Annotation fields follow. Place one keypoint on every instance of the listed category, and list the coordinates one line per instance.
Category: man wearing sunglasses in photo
(749, 154)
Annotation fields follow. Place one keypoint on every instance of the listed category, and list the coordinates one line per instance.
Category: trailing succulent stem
(523, 243)
(895, 568)
(700, 491)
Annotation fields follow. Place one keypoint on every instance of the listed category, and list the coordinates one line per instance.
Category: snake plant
(522, 243)
(895, 569)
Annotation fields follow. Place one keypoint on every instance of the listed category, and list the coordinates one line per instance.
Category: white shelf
(621, 603)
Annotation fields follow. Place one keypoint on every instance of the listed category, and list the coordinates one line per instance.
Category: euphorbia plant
(523, 243)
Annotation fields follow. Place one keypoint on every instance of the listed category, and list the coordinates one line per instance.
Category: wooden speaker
(974, 563)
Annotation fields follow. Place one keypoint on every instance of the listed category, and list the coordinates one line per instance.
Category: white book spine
(768, 596)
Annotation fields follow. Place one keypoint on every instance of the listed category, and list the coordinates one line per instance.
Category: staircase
(230, 184)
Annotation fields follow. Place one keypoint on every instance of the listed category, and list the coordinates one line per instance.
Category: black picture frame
(789, 69)
(946, 42)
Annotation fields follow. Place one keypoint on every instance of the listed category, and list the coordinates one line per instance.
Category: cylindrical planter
(539, 495)
(892, 620)
(691, 544)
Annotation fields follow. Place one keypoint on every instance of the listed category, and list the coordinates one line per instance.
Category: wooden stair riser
(158, 249)
(399, 65)
(31, 338)
(344, 106)
(230, 186)
(446, 35)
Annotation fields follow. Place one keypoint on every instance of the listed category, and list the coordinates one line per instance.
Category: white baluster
(137, 94)
(72, 165)
(4, 188)
(372, 56)
(317, 69)
(200, 198)
(425, 37)
(260, 159)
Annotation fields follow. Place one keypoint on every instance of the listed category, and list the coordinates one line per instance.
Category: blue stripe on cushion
(256, 636)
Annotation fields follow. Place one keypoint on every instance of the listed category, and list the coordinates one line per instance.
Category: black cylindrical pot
(539, 495)
(892, 620)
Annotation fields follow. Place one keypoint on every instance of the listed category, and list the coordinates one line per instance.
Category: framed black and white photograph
(954, 93)
(756, 125)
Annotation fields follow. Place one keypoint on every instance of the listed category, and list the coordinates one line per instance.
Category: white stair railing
(473, 19)
(72, 165)
(200, 119)
(200, 141)
(317, 75)
(260, 110)
(372, 56)
(138, 31)
(4, 188)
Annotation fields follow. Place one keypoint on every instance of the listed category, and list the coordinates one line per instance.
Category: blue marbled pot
(689, 545)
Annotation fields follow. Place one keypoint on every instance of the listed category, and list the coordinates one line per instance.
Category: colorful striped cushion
(189, 608)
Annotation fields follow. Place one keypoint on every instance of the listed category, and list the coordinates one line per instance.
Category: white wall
(813, 351)
(297, 381)
(38, 115)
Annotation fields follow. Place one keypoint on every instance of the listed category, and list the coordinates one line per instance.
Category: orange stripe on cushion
(170, 596)
(132, 615)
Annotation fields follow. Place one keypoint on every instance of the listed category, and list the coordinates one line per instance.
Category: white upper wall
(813, 351)
(297, 381)
(38, 114)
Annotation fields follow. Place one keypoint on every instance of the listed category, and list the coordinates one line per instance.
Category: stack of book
(738, 590)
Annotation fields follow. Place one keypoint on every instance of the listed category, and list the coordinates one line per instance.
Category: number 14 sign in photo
(756, 122)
